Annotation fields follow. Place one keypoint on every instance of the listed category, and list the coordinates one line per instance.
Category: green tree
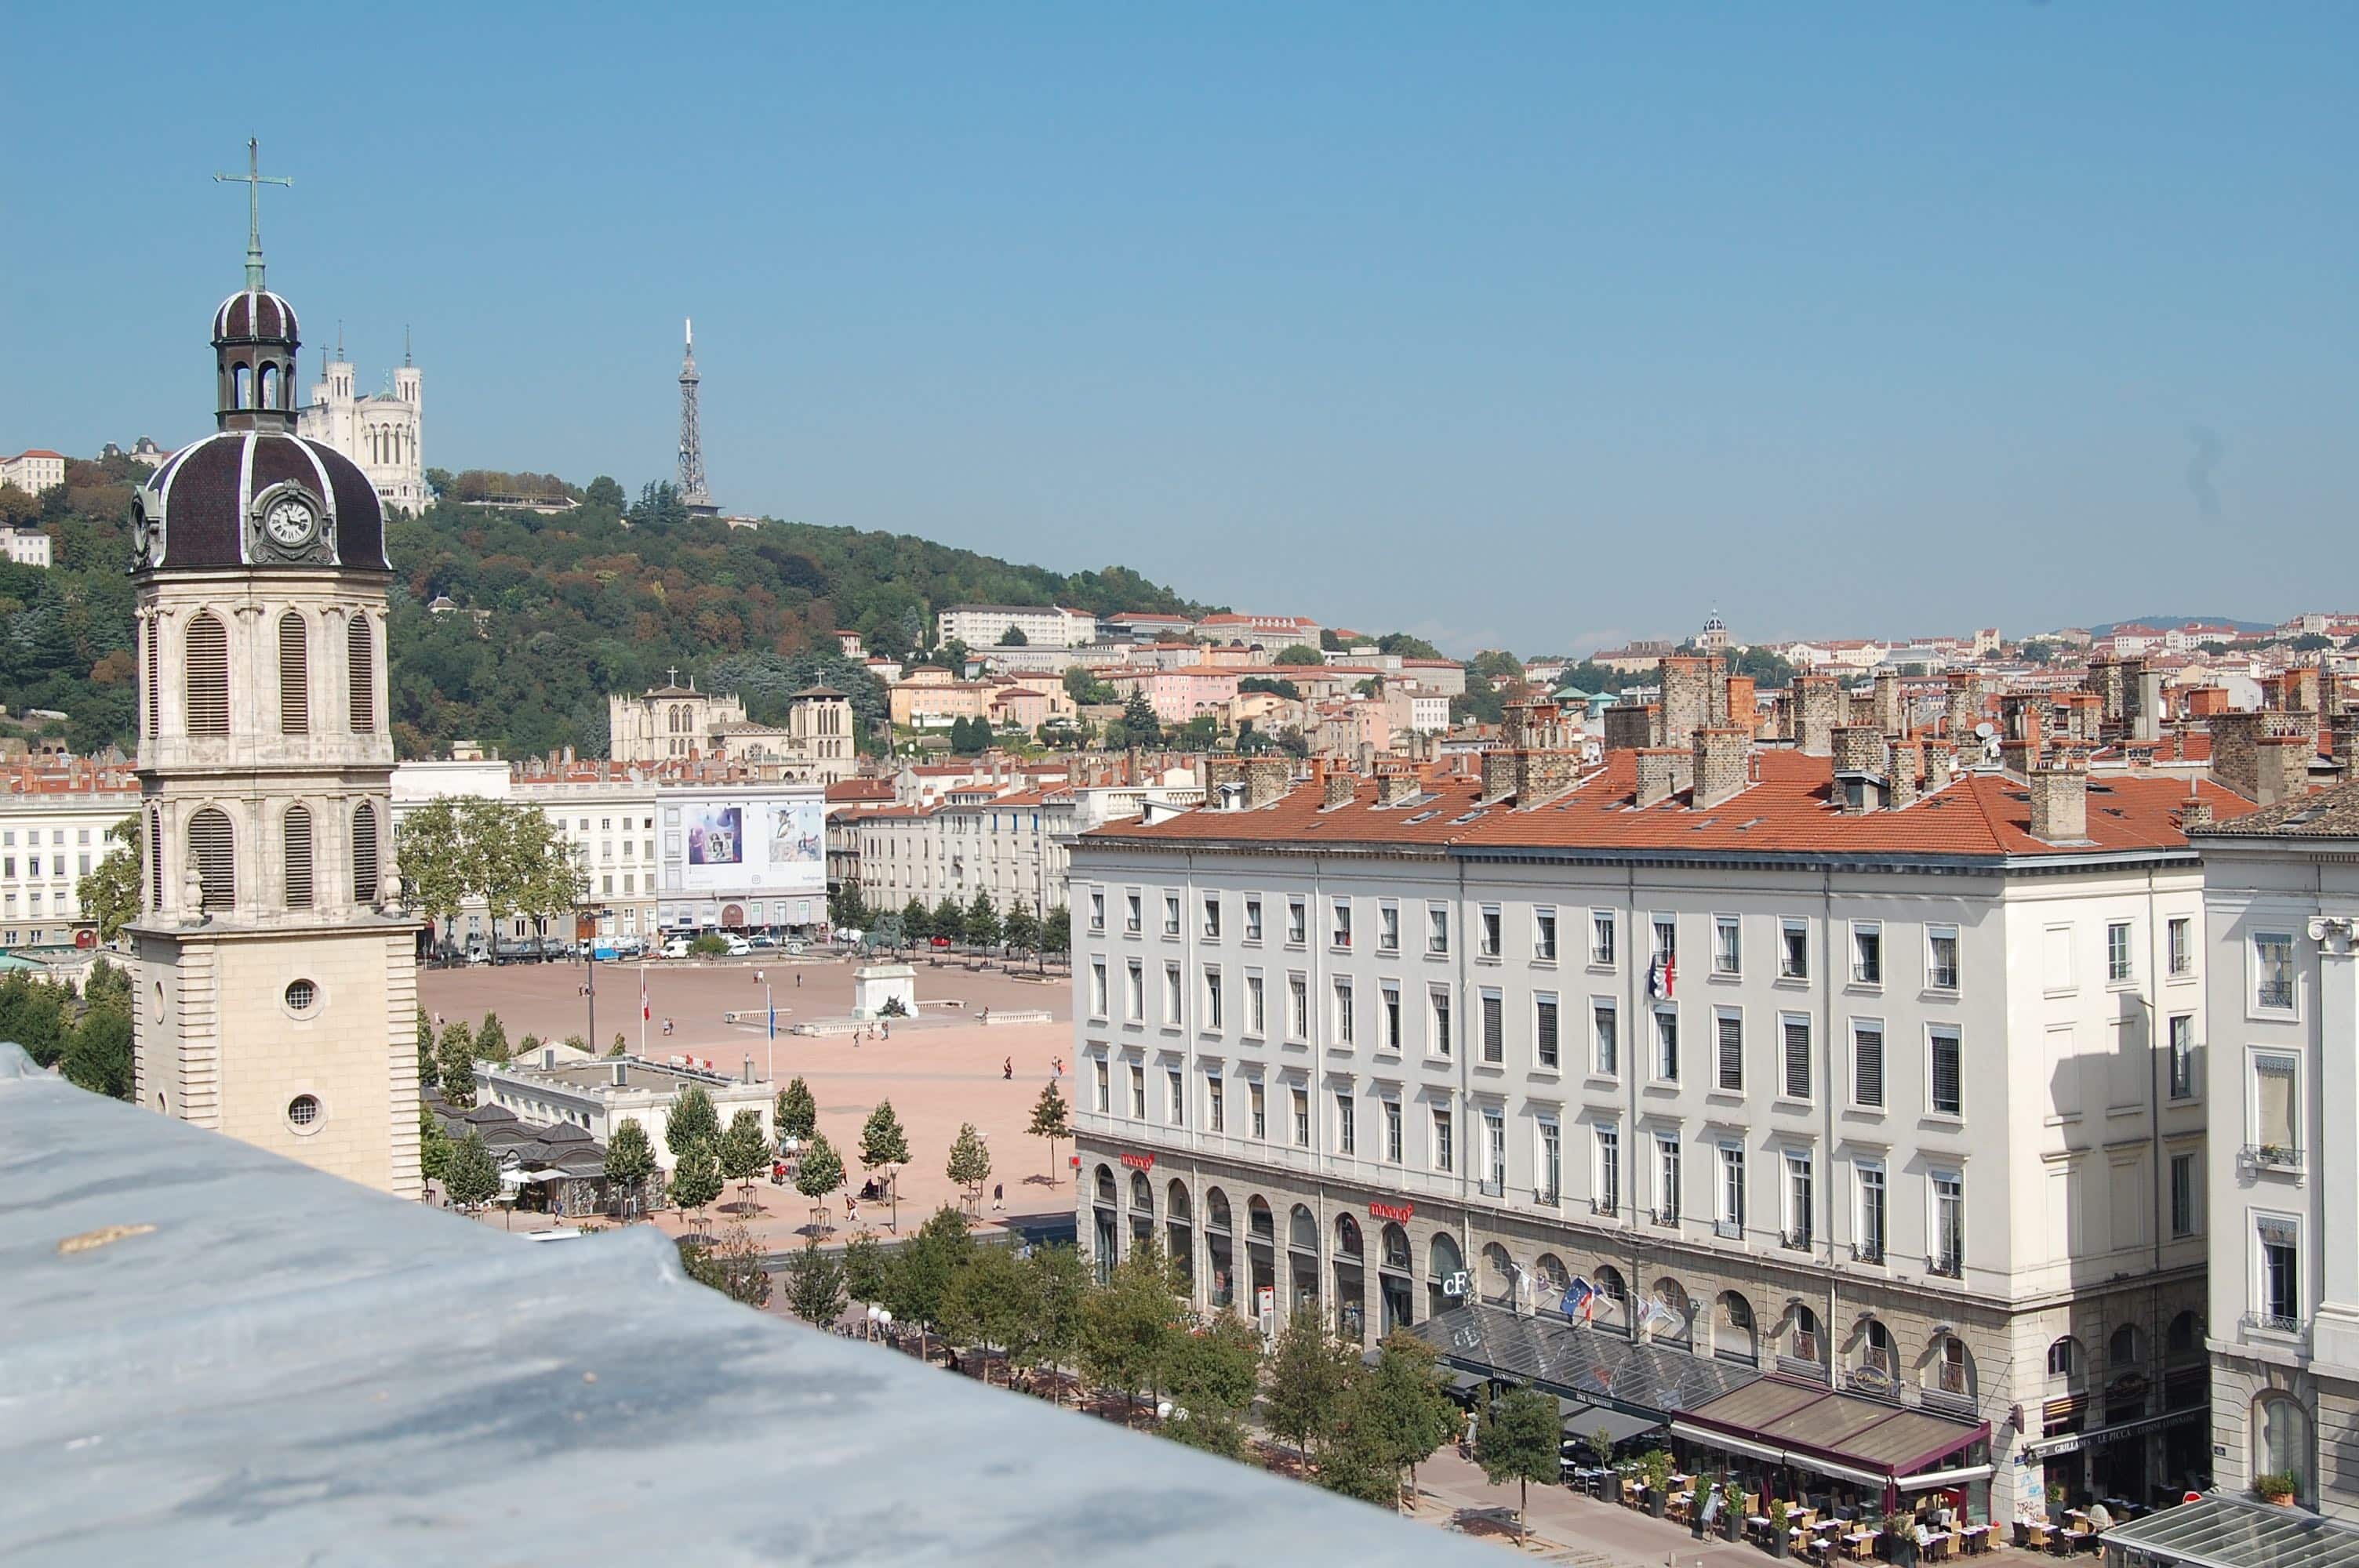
(1129, 1329)
(818, 1172)
(426, 1069)
(745, 1153)
(696, 1177)
(111, 894)
(1139, 725)
(604, 493)
(1057, 931)
(815, 1284)
(847, 910)
(947, 920)
(1022, 929)
(1519, 1438)
(1214, 1369)
(98, 1055)
(691, 1121)
(1013, 637)
(1355, 1458)
(1298, 654)
(1407, 646)
(492, 1039)
(885, 1144)
(797, 1112)
(982, 924)
(454, 1061)
(969, 1164)
(988, 1302)
(917, 1278)
(1274, 686)
(1050, 1121)
(864, 1268)
(434, 1146)
(1307, 1369)
(1061, 1283)
(708, 944)
(630, 1161)
(917, 921)
(430, 854)
(32, 1014)
(732, 1265)
(1411, 1408)
(470, 1179)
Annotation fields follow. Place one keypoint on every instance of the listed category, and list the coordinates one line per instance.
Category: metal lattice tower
(692, 493)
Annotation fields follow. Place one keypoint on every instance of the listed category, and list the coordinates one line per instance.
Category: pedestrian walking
(1007, 1069)
(799, 980)
(998, 1197)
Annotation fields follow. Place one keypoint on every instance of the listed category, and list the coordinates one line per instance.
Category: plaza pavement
(939, 1071)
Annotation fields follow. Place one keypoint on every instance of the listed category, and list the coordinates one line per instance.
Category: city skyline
(1248, 305)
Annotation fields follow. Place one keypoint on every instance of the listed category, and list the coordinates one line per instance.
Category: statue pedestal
(874, 985)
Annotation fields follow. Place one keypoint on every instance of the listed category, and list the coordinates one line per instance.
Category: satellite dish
(1985, 730)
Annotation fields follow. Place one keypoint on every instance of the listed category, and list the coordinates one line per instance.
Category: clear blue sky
(1528, 325)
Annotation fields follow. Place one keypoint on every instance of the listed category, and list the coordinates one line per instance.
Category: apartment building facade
(53, 827)
(1900, 1101)
(2281, 896)
(983, 625)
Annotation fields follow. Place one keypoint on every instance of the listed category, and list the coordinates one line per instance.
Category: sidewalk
(1567, 1527)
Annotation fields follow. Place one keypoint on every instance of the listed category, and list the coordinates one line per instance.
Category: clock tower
(278, 986)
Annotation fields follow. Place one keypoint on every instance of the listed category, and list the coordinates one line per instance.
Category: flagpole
(643, 1010)
(770, 1021)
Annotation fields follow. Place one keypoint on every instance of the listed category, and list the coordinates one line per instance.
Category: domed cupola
(254, 338)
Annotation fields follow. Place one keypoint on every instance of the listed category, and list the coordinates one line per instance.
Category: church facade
(277, 988)
(817, 744)
(380, 432)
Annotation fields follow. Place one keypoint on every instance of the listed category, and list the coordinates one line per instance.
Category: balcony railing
(1604, 1209)
(1548, 1197)
(1797, 1241)
(1728, 1230)
(1491, 1189)
(2271, 1156)
(2271, 1323)
(1867, 1251)
(1669, 1218)
(1945, 1265)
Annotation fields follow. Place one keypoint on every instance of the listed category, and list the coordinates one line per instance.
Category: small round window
(301, 995)
(303, 1113)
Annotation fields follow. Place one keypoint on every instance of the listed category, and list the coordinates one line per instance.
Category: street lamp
(879, 1320)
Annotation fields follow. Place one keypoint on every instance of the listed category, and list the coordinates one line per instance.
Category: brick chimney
(1723, 764)
(1629, 727)
(1267, 780)
(1686, 681)
(2022, 716)
(2059, 799)
(1906, 755)
(1338, 787)
(2284, 770)
(1817, 704)
(2019, 757)
(1859, 749)
(1964, 708)
(1940, 764)
(2194, 811)
(1499, 775)
(1887, 715)
(1541, 775)
(1662, 773)
(1397, 785)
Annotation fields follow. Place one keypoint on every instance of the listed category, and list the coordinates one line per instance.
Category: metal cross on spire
(254, 180)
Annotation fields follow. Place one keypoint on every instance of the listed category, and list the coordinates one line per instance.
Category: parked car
(763, 939)
(676, 949)
(738, 946)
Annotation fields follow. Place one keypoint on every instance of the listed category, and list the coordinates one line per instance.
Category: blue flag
(774, 1021)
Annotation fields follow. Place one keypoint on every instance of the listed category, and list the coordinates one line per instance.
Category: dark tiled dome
(200, 499)
(255, 315)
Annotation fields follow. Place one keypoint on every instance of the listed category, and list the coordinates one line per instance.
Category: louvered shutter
(214, 843)
(1732, 1051)
(1798, 1059)
(364, 854)
(208, 669)
(294, 676)
(1948, 1073)
(1867, 1066)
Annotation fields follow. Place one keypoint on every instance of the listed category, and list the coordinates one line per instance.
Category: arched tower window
(299, 857)
(240, 383)
(208, 670)
(361, 655)
(150, 629)
(213, 842)
(269, 398)
(294, 676)
(365, 874)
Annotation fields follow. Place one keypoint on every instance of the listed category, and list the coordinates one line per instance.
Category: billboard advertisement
(754, 845)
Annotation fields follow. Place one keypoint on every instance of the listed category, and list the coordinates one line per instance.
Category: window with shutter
(298, 835)
(359, 653)
(214, 844)
(1949, 1087)
(1798, 1059)
(154, 688)
(208, 670)
(365, 872)
(294, 676)
(1544, 1031)
(1867, 1066)
(1494, 1030)
(1732, 1050)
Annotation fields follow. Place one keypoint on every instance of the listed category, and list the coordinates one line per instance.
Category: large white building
(2281, 892)
(33, 471)
(381, 431)
(983, 625)
(54, 820)
(1883, 1083)
(819, 743)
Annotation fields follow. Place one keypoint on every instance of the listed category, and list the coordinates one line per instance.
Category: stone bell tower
(278, 986)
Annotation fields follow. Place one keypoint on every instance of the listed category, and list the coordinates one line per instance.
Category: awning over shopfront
(1587, 1365)
(2073, 1442)
(2221, 1531)
(1619, 1426)
(1860, 1440)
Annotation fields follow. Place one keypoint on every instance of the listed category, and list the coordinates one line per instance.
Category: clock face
(291, 521)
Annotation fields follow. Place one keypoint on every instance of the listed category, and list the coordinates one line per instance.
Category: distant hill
(567, 607)
(2167, 622)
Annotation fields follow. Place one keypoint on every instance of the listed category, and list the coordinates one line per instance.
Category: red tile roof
(1789, 811)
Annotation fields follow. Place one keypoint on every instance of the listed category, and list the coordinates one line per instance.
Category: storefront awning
(2073, 1442)
(1619, 1426)
(1860, 1440)
(1586, 1364)
(2220, 1532)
